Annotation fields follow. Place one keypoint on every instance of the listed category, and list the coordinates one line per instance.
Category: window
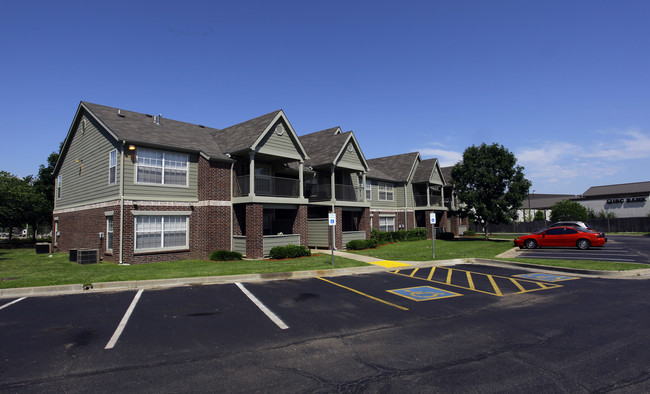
(387, 223)
(368, 190)
(58, 186)
(112, 166)
(385, 191)
(157, 232)
(109, 233)
(165, 168)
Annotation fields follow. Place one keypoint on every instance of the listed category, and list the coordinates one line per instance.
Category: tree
(568, 210)
(15, 197)
(490, 184)
(539, 216)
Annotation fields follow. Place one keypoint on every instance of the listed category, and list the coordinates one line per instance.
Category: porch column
(428, 194)
(332, 185)
(300, 176)
(251, 177)
(364, 187)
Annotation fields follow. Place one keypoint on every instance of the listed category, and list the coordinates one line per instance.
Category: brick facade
(254, 231)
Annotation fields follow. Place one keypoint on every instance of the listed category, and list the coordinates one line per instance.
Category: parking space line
(11, 303)
(433, 269)
(497, 291)
(365, 295)
(274, 318)
(470, 281)
(116, 335)
(414, 271)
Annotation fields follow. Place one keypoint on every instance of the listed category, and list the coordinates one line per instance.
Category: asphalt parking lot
(622, 249)
(453, 329)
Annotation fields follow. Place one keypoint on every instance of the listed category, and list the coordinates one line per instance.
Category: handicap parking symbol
(546, 277)
(423, 293)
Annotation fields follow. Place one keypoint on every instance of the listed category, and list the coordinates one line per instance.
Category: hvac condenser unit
(87, 256)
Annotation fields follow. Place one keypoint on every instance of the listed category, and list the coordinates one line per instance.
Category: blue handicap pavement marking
(424, 293)
(546, 277)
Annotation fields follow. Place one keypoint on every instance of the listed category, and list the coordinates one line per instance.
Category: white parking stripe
(262, 307)
(125, 319)
(12, 302)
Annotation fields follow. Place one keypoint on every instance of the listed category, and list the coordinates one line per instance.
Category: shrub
(469, 233)
(447, 236)
(384, 237)
(225, 255)
(289, 251)
(359, 244)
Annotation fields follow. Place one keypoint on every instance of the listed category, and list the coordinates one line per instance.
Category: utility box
(87, 256)
(43, 247)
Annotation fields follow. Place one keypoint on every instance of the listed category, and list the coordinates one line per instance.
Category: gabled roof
(393, 168)
(623, 188)
(425, 170)
(249, 134)
(326, 147)
(446, 173)
(136, 128)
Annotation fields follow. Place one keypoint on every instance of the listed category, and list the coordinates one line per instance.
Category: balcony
(268, 186)
(343, 192)
(421, 200)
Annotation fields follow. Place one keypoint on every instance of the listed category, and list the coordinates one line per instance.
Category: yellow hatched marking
(497, 290)
(433, 269)
(470, 281)
(366, 295)
(414, 271)
(518, 285)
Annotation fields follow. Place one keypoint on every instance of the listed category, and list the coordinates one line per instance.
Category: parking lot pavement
(343, 333)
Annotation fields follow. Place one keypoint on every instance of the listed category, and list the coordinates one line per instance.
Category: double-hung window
(387, 223)
(58, 186)
(368, 190)
(164, 168)
(161, 232)
(112, 166)
(385, 191)
(109, 233)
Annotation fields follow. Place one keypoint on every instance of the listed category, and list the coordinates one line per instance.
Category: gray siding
(140, 191)
(318, 230)
(351, 160)
(436, 177)
(86, 181)
(279, 145)
(239, 244)
(271, 241)
(398, 196)
(348, 236)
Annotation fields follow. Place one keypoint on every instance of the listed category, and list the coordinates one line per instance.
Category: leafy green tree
(490, 184)
(539, 216)
(568, 210)
(15, 195)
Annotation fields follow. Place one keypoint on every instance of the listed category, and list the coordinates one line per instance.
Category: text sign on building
(626, 199)
(332, 219)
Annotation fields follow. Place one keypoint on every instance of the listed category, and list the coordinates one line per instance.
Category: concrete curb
(41, 291)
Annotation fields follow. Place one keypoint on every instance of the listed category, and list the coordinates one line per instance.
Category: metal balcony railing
(323, 192)
(268, 186)
(421, 200)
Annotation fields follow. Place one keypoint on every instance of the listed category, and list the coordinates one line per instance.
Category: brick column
(254, 231)
(364, 222)
(300, 225)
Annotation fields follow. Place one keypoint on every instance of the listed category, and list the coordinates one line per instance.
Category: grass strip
(445, 250)
(25, 268)
(583, 264)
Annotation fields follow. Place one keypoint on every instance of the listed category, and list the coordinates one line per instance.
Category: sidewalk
(377, 265)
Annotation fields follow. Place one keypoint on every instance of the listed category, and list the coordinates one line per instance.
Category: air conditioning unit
(87, 256)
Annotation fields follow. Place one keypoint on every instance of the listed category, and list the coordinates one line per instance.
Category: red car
(562, 236)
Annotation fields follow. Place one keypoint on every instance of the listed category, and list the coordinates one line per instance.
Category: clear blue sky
(565, 85)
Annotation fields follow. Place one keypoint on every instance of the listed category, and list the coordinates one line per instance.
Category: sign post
(331, 217)
(432, 220)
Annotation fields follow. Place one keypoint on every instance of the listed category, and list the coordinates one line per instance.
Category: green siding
(348, 236)
(271, 241)
(239, 244)
(398, 196)
(318, 230)
(143, 191)
(436, 177)
(86, 181)
(351, 160)
(279, 145)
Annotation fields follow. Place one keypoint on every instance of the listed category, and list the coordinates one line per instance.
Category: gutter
(121, 262)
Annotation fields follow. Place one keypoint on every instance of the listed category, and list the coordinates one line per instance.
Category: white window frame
(387, 223)
(165, 164)
(162, 215)
(112, 167)
(109, 233)
(368, 189)
(387, 189)
(59, 181)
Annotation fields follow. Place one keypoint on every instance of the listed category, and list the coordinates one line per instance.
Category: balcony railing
(421, 200)
(268, 186)
(323, 192)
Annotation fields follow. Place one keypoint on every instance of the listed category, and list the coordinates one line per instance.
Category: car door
(570, 238)
(552, 237)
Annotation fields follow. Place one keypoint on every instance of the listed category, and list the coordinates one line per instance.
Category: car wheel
(530, 244)
(583, 244)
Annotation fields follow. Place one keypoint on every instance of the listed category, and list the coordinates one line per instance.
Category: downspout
(122, 204)
(406, 206)
(232, 207)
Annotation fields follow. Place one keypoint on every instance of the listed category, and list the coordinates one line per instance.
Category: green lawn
(445, 250)
(23, 268)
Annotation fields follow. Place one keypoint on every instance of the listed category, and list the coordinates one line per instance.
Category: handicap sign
(332, 219)
(423, 293)
(432, 218)
(546, 277)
